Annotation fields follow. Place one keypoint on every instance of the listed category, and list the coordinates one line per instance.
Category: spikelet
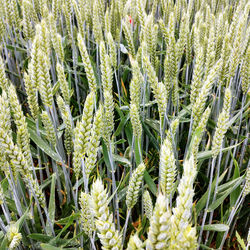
(13, 152)
(58, 47)
(20, 163)
(149, 35)
(167, 168)
(67, 11)
(63, 83)
(197, 77)
(55, 8)
(101, 9)
(5, 124)
(107, 23)
(5, 117)
(164, 31)
(34, 62)
(134, 186)
(149, 69)
(225, 54)
(106, 69)
(97, 26)
(173, 126)
(27, 17)
(82, 132)
(43, 8)
(2, 30)
(209, 54)
(112, 50)
(3, 79)
(56, 38)
(109, 237)
(135, 120)
(44, 37)
(47, 123)
(32, 97)
(182, 37)
(44, 79)
(23, 137)
(108, 115)
(183, 235)
(222, 124)
(247, 183)
(159, 230)
(141, 14)
(159, 89)
(94, 142)
(79, 17)
(2, 196)
(236, 50)
(135, 243)
(87, 216)
(11, 12)
(68, 142)
(170, 65)
(148, 205)
(199, 105)
(14, 237)
(245, 72)
(197, 138)
(135, 84)
(126, 27)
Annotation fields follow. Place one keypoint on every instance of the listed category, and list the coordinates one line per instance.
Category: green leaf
(208, 154)
(122, 160)
(150, 136)
(40, 237)
(32, 125)
(236, 193)
(206, 247)
(70, 221)
(16, 48)
(123, 49)
(202, 202)
(215, 227)
(52, 204)
(106, 156)
(49, 247)
(138, 151)
(150, 183)
(225, 194)
(240, 241)
(56, 88)
(154, 124)
(20, 222)
(43, 145)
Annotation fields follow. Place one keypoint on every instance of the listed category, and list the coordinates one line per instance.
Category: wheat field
(124, 124)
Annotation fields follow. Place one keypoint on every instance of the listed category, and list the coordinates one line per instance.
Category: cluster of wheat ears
(124, 124)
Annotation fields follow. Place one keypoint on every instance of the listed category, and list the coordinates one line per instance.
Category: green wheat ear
(82, 132)
(183, 235)
(109, 237)
(159, 229)
(148, 205)
(134, 186)
(135, 243)
(135, 120)
(222, 124)
(167, 168)
(87, 216)
(14, 237)
(247, 183)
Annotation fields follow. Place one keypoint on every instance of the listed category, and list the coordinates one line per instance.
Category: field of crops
(124, 124)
